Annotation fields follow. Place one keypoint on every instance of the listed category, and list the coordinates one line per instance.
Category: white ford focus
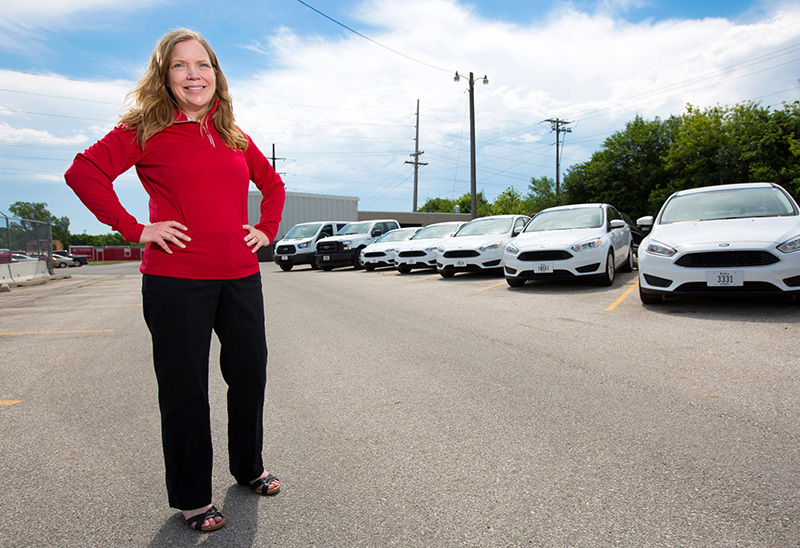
(568, 242)
(479, 245)
(741, 239)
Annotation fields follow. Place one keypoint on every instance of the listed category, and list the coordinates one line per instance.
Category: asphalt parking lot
(411, 410)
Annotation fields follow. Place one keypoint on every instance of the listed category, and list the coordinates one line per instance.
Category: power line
(312, 8)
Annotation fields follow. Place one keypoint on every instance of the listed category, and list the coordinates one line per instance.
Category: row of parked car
(60, 259)
(741, 238)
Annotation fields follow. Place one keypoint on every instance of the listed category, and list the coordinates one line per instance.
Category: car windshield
(355, 228)
(396, 235)
(435, 231)
(302, 231)
(728, 203)
(482, 227)
(566, 219)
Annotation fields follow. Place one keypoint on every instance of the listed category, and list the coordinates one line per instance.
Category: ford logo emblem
(724, 245)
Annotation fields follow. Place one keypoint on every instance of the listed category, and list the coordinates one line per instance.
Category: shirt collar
(182, 117)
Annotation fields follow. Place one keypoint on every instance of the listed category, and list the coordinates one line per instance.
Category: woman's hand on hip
(165, 233)
(255, 238)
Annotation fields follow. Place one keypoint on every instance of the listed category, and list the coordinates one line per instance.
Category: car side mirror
(376, 233)
(616, 223)
(645, 223)
(324, 235)
(518, 230)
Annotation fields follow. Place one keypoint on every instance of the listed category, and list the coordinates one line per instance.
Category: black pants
(181, 315)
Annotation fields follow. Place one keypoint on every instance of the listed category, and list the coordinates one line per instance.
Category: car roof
(724, 187)
(575, 206)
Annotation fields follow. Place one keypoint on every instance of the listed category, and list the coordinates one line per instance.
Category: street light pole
(473, 183)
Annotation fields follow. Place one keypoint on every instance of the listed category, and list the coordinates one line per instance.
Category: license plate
(544, 268)
(326, 257)
(461, 262)
(284, 257)
(410, 261)
(725, 278)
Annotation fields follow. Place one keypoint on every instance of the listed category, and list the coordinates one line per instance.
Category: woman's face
(192, 78)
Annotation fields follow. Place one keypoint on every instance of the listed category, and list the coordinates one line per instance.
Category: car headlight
(303, 245)
(390, 251)
(439, 249)
(489, 247)
(346, 244)
(511, 249)
(657, 248)
(431, 249)
(586, 245)
(791, 246)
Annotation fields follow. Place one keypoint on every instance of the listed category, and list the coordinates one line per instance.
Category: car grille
(375, 254)
(285, 250)
(727, 259)
(411, 254)
(461, 254)
(545, 255)
(328, 247)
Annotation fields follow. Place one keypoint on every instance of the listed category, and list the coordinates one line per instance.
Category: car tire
(369, 267)
(62, 265)
(628, 266)
(446, 273)
(286, 267)
(650, 298)
(314, 265)
(607, 278)
(327, 268)
(515, 282)
(404, 269)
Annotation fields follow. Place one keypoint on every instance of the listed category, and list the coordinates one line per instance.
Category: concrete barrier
(22, 271)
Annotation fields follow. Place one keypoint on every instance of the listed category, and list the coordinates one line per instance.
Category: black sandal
(263, 483)
(196, 522)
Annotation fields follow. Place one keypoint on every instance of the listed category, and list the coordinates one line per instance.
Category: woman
(200, 271)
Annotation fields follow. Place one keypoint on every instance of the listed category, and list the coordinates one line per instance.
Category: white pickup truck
(344, 249)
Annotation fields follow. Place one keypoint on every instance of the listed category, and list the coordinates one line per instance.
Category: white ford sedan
(420, 250)
(479, 245)
(569, 242)
(382, 251)
(741, 239)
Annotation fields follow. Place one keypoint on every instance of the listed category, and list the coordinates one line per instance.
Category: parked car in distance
(479, 245)
(299, 245)
(59, 261)
(77, 260)
(420, 250)
(20, 258)
(344, 249)
(721, 240)
(382, 251)
(569, 242)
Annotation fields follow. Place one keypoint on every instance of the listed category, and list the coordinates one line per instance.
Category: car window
(520, 223)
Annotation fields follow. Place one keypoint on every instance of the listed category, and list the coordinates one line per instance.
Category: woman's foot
(266, 484)
(206, 518)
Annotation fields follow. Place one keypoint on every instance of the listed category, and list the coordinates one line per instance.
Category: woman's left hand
(255, 238)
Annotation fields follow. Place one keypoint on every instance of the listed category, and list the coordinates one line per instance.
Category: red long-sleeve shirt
(192, 177)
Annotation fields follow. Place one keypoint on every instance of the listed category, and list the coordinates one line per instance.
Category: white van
(299, 245)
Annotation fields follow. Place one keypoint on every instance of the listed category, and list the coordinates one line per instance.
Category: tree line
(637, 168)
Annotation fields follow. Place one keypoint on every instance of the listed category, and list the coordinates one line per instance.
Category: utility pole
(416, 163)
(472, 170)
(556, 125)
(274, 159)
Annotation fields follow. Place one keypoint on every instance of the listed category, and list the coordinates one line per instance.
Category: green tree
(541, 195)
(509, 202)
(484, 208)
(37, 211)
(438, 205)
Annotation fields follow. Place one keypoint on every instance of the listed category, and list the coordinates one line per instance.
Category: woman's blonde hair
(154, 105)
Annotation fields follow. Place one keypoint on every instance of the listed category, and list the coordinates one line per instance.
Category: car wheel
(446, 273)
(286, 267)
(62, 265)
(369, 267)
(314, 265)
(515, 282)
(403, 269)
(327, 268)
(650, 298)
(628, 266)
(607, 278)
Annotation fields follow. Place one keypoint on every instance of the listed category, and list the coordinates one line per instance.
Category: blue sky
(340, 109)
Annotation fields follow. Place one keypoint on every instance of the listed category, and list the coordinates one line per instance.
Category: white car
(740, 239)
(299, 244)
(420, 250)
(479, 245)
(568, 242)
(382, 251)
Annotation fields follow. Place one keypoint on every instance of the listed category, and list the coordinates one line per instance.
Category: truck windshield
(302, 231)
(355, 228)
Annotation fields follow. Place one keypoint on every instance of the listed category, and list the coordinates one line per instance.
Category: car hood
(421, 244)
(470, 242)
(381, 246)
(739, 233)
(556, 238)
(341, 237)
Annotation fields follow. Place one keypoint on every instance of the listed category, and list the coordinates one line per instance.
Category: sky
(329, 88)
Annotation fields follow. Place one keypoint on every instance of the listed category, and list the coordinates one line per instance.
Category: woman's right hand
(164, 233)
